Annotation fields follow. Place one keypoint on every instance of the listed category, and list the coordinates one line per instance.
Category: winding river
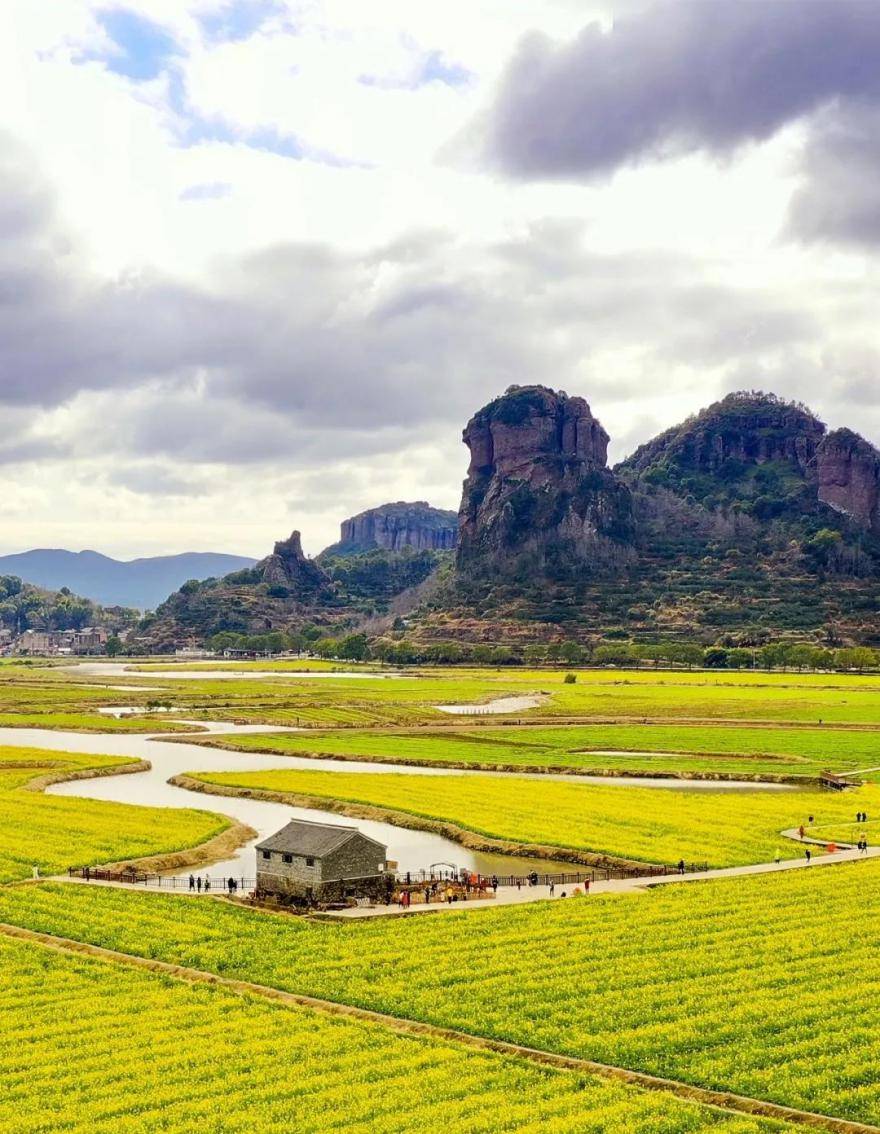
(413, 850)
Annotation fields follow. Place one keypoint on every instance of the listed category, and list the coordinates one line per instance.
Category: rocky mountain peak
(394, 527)
(533, 423)
(848, 471)
(744, 429)
(288, 566)
(538, 494)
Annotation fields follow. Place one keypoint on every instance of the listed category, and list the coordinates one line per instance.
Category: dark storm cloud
(678, 77)
(838, 199)
(302, 354)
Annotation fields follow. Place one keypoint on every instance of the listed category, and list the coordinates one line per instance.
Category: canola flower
(92, 1048)
(661, 825)
(53, 832)
(765, 985)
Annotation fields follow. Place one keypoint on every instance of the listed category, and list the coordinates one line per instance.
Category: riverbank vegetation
(617, 749)
(53, 832)
(659, 825)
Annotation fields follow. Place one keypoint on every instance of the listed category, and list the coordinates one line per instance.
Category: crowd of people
(199, 885)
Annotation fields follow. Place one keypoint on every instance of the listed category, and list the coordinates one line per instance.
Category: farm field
(689, 750)
(780, 698)
(152, 1053)
(765, 985)
(762, 985)
(412, 699)
(54, 832)
(648, 824)
(90, 722)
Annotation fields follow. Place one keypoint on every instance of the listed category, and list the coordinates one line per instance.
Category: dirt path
(719, 1100)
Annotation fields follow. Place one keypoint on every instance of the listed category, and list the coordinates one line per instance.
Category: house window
(287, 857)
(267, 854)
(310, 862)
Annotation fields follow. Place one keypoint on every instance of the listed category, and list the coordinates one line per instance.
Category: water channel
(413, 850)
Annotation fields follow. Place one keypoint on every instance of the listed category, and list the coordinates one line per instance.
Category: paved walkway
(512, 895)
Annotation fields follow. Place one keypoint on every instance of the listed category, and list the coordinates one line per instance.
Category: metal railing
(209, 883)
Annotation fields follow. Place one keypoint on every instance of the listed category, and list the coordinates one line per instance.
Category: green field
(763, 985)
(766, 985)
(413, 699)
(54, 832)
(688, 750)
(662, 825)
(133, 1053)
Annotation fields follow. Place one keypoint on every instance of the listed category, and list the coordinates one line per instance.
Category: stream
(413, 850)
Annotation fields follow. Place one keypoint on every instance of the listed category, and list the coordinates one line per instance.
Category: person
(207, 884)
(587, 885)
(494, 883)
(801, 829)
(810, 820)
(192, 882)
(778, 856)
(808, 855)
(533, 878)
(552, 889)
(563, 894)
(518, 882)
(199, 883)
(449, 895)
(88, 874)
(681, 866)
(230, 884)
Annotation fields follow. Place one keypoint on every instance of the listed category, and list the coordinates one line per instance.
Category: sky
(260, 260)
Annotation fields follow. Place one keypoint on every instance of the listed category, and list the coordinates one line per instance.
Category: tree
(114, 646)
(715, 657)
(571, 652)
(326, 647)
(353, 647)
(856, 657)
(620, 653)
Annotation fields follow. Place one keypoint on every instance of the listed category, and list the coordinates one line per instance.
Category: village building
(88, 640)
(322, 862)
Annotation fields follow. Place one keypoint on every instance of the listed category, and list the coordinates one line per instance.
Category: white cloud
(207, 343)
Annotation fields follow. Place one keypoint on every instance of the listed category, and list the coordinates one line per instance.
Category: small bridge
(834, 782)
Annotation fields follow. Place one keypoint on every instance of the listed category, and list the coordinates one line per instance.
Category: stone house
(321, 862)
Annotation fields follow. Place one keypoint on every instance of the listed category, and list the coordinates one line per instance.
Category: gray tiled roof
(313, 839)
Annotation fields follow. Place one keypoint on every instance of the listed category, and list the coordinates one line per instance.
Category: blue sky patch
(433, 67)
(140, 49)
(237, 20)
(208, 191)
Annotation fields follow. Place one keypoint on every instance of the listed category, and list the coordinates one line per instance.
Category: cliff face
(288, 567)
(745, 429)
(393, 527)
(848, 472)
(539, 497)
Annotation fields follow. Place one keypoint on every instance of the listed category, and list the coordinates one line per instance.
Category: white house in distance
(321, 862)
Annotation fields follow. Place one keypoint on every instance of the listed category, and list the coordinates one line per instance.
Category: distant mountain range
(141, 583)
